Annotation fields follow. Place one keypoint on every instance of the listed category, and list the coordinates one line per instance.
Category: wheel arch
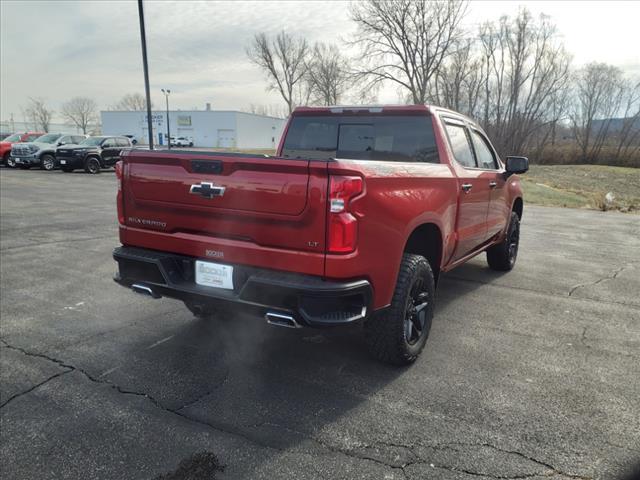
(94, 156)
(426, 240)
(518, 206)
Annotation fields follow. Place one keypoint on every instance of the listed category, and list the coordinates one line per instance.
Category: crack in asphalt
(600, 280)
(451, 446)
(331, 448)
(583, 338)
(33, 387)
(153, 400)
(543, 292)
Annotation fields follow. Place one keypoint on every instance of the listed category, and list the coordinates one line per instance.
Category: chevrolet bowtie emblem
(207, 190)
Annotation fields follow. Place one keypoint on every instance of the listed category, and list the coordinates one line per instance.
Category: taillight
(342, 225)
(119, 198)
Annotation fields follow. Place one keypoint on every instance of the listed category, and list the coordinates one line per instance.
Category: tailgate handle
(207, 190)
(206, 166)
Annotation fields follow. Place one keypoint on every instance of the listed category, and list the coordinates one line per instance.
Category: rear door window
(398, 138)
(484, 154)
(459, 141)
(123, 142)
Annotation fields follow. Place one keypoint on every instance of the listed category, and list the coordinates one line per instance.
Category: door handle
(466, 187)
(493, 184)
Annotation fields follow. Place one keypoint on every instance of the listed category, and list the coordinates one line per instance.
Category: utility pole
(145, 66)
(166, 96)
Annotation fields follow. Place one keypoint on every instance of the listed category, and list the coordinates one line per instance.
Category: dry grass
(569, 154)
(583, 186)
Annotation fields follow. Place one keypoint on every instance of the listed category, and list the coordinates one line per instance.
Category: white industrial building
(205, 128)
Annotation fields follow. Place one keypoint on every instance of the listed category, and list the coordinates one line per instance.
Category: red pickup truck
(353, 220)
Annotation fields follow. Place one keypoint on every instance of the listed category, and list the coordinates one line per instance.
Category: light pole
(166, 96)
(145, 66)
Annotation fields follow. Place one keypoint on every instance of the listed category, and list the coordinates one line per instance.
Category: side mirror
(61, 143)
(516, 165)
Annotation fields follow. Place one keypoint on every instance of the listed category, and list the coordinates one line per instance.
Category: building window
(184, 120)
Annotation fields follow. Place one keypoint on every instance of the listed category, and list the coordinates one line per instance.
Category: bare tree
(38, 113)
(460, 79)
(327, 74)
(525, 68)
(81, 111)
(267, 110)
(284, 60)
(599, 93)
(405, 41)
(629, 134)
(132, 101)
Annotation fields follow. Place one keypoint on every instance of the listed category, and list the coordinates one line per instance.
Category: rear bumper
(311, 300)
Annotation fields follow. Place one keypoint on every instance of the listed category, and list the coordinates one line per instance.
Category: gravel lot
(534, 373)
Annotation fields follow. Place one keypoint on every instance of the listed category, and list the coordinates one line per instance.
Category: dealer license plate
(214, 275)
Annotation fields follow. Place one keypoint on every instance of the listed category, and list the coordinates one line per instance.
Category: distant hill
(615, 125)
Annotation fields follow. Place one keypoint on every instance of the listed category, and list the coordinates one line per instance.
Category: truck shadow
(280, 388)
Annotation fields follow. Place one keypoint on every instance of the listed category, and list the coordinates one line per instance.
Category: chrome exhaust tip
(144, 290)
(281, 320)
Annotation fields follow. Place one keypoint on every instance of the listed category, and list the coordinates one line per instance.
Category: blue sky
(57, 50)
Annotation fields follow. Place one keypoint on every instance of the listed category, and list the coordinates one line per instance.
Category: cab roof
(381, 109)
(363, 109)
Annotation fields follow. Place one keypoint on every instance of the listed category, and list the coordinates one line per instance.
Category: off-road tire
(385, 331)
(502, 257)
(92, 165)
(5, 158)
(47, 162)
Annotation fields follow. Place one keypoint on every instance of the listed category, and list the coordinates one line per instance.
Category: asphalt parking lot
(530, 374)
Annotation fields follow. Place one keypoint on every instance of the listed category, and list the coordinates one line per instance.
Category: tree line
(82, 112)
(513, 75)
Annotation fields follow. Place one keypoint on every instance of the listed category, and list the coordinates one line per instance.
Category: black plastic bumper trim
(311, 300)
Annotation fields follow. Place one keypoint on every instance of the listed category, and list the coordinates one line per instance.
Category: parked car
(181, 142)
(7, 143)
(354, 220)
(41, 152)
(92, 154)
(133, 138)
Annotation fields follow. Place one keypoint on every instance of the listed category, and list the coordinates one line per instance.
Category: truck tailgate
(229, 206)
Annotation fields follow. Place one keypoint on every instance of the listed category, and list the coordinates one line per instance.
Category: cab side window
(459, 141)
(484, 153)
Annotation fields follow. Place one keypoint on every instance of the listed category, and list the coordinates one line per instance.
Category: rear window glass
(385, 138)
(460, 145)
